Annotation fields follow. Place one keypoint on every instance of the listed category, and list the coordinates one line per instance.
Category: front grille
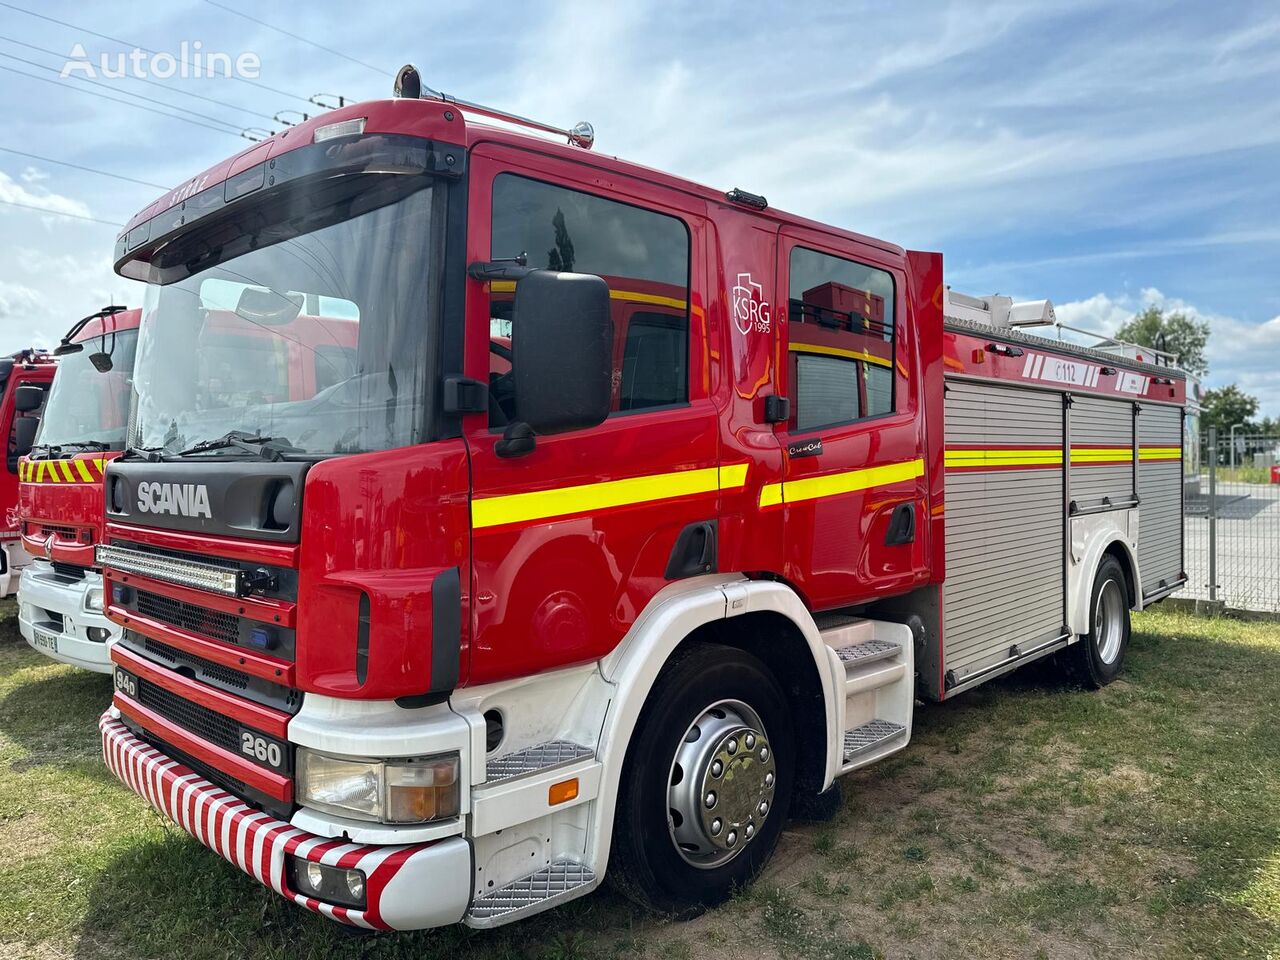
(213, 671)
(204, 723)
(63, 533)
(189, 616)
(68, 571)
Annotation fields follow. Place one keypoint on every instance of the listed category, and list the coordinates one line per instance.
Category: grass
(1026, 819)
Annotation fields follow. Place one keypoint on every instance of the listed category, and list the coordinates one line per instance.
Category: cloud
(13, 192)
(32, 175)
(1238, 352)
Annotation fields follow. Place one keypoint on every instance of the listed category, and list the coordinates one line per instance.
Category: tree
(1225, 407)
(1174, 333)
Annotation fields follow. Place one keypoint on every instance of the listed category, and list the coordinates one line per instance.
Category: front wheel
(1096, 658)
(706, 785)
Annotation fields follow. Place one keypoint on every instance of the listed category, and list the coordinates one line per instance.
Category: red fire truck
(638, 514)
(60, 607)
(24, 385)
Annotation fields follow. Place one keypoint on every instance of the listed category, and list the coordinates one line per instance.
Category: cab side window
(642, 255)
(840, 330)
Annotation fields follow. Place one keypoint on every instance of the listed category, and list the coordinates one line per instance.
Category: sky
(1104, 156)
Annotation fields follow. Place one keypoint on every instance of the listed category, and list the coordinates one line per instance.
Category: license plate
(43, 639)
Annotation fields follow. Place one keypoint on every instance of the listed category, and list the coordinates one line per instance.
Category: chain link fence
(1232, 533)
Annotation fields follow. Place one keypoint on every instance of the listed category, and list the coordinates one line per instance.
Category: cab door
(572, 540)
(853, 487)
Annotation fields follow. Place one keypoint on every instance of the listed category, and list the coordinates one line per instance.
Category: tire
(646, 864)
(1097, 658)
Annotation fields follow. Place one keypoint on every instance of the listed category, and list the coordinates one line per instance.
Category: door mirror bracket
(517, 440)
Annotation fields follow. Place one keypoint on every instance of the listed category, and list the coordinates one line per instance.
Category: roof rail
(409, 85)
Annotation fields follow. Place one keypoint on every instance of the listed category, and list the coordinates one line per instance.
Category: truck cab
(60, 600)
(25, 379)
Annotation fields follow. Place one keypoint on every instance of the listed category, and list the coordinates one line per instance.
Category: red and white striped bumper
(408, 887)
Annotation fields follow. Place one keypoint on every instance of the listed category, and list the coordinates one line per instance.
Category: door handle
(902, 525)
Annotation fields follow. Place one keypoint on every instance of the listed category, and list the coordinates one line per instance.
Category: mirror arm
(517, 440)
(515, 268)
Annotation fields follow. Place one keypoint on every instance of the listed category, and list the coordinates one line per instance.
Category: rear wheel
(1095, 660)
(706, 785)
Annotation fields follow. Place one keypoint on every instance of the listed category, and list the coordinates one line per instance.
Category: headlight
(93, 600)
(391, 791)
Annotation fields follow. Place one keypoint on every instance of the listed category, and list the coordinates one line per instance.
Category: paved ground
(1248, 533)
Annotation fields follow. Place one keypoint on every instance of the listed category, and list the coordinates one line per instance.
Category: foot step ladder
(879, 685)
(558, 881)
(564, 878)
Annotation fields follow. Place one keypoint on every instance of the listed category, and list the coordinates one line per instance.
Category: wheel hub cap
(722, 784)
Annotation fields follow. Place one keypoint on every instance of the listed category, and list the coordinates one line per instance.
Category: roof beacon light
(343, 128)
(409, 85)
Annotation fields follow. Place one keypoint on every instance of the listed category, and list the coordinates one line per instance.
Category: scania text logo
(750, 308)
(178, 499)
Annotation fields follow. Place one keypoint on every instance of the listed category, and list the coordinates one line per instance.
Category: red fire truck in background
(621, 518)
(60, 606)
(24, 385)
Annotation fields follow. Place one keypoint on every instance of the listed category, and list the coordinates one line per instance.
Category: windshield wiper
(149, 454)
(81, 445)
(268, 448)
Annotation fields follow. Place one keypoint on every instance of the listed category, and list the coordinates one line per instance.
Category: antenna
(409, 86)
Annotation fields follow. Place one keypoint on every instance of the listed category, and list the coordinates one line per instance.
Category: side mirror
(26, 399)
(24, 436)
(6, 368)
(562, 351)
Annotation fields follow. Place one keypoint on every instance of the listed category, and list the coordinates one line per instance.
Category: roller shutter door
(1160, 492)
(1101, 452)
(1004, 525)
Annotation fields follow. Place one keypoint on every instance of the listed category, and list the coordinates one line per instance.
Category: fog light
(119, 594)
(98, 634)
(328, 883)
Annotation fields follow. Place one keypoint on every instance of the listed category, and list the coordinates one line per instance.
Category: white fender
(633, 666)
(1091, 535)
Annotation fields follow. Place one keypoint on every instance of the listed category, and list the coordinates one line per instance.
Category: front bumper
(409, 887)
(64, 636)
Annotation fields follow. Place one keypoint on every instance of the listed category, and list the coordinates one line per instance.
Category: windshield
(318, 340)
(89, 402)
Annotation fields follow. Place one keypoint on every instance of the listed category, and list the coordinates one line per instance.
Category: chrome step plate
(870, 735)
(868, 652)
(539, 757)
(558, 881)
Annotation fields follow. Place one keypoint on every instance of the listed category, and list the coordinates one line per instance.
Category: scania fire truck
(60, 600)
(635, 515)
(25, 377)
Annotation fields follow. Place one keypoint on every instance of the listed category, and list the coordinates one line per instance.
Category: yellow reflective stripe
(835, 484)
(1003, 458)
(586, 497)
(83, 470)
(632, 296)
(1160, 453)
(68, 472)
(838, 352)
(45, 467)
(1094, 454)
(733, 476)
(22, 471)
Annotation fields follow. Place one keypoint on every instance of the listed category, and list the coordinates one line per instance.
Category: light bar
(343, 128)
(184, 573)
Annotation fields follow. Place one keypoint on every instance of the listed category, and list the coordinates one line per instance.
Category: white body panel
(55, 619)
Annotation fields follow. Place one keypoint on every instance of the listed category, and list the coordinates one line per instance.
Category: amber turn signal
(563, 792)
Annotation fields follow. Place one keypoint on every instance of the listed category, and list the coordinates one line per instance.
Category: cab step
(535, 759)
(863, 739)
(558, 881)
(869, 651)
